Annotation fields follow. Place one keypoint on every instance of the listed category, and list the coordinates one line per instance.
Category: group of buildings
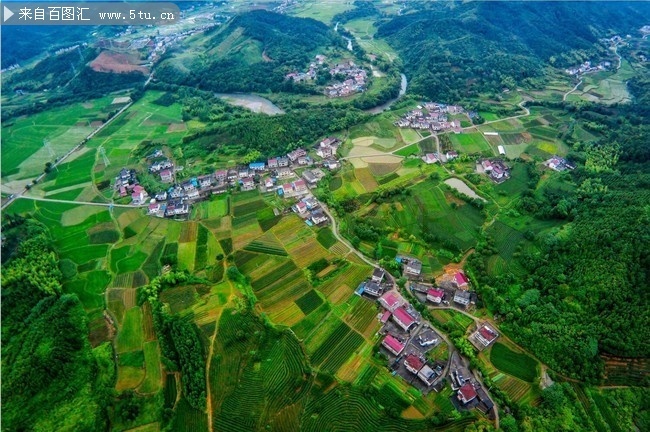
(290, 176)
(453, 290)
(354, 80)
(496, 169)
(558, 163)
(432, 116)
(588, 67)
(310, 211)
(310, 74)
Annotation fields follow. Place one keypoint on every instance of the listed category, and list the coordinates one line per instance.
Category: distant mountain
(252, 52)
(454, 50)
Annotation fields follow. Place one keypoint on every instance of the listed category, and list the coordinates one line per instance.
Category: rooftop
(401, 314)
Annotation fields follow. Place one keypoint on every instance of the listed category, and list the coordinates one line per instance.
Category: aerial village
(407, 339)
(588, 67)
(290, 176)
(349, 78)
(432, 116)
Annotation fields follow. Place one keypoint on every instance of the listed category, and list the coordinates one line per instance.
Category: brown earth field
(117, 63)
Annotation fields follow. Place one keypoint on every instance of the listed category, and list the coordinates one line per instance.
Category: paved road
(572, 90)
(33, 198)
(340, 238)
(64, 157)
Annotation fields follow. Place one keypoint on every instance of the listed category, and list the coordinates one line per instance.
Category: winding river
(383, 107)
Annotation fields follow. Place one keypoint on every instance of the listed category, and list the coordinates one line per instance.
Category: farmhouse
(427, 375)
(243, 172)
(486, 335)
(310, 177)
(385, 317)
(413, 363)
(391, 301)
(486, 403)
(294, 155)
(166, 176)
(378, 275)
(304, 160)
(466, 393)
(221, 175)
(460, 280)
(413, 268)
(430, 158)
(427, 337)
(393, 345)
(300, 186)
(283, 162)
(403, 319)
(154, 208)
(311, 202)
(419, 287)
(462, 297)
(451, 155)
(257, 166)
(193, 194)
(300, 207)
(284, 172)
(435, 295)
(272, 163)
(205, 181)
(161, 196)
(318, 217)
(232, 175)
(139, 195)
(248, 183)
(373, 289)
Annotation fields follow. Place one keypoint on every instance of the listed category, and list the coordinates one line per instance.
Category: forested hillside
(585, 293)
(453, 51)
(253, 52)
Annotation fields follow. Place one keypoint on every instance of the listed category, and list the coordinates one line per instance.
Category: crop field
(458, 320)
(326, 237)
(340, 287)
(470, 143)
(179, 298)
(307, 251)
(244, 209)
(513, 387)
(212, 209)
(130, 337)
(251, 391)
(309, 302)
(336, 348)
(625, 371)
(311, 322)
(153, 374)
(519, 365)
(366, 179)
(23, 152)
(407, 151)
(321, 11)
(506, 239)
(267, 244)
(362, 317)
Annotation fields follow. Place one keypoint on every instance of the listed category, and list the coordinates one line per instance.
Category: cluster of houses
(451, 289)
(127, 183)
(354, 82)
(309, 210)
(470, 393)
(310, 74)
(496, 169)
(277, 174)
(557, 163)
(432, 116)
(410, 349)
(431, 158)
(588, 67)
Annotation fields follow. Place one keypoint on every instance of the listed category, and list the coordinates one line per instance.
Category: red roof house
(403, 319)
(486, 335)
(435, 295)
(390, 301)
(413, 363)
(460, 279)
(385, 317)
(393, 345)
(466, 393)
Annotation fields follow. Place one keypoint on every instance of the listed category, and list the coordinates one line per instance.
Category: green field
(519, 365)
(470, 143)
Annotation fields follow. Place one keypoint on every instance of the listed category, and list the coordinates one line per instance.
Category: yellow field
(286, 314)
(79, 214)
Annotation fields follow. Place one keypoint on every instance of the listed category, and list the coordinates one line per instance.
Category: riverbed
(253, 102)
(461, 187)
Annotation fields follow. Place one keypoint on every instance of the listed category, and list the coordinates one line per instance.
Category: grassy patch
(519, 365)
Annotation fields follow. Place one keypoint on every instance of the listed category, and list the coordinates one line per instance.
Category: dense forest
(48, 367)
(452, 51)
(586, 290)
(285, 44)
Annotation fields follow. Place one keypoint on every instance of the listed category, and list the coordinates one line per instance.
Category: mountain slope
(252, 52)
(454, 51)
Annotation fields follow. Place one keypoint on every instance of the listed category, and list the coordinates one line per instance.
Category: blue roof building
(257, 166)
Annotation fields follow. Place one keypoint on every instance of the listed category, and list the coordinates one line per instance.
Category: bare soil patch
(112, 62)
